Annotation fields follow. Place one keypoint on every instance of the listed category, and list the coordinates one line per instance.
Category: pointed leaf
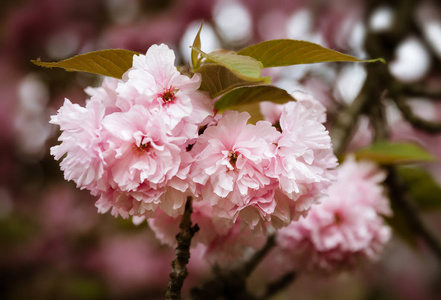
(218, 79)
(111, 62)
(385, 152)
(195, 54)
(284, 52)
(425, 191)
(242, 66)
(252, 94)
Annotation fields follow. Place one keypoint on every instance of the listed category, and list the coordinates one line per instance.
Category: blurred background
(54, 245)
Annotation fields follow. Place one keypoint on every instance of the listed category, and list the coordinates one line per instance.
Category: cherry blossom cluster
(144, 143)
(345, 230)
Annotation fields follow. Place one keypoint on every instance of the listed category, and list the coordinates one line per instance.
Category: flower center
(143, 148)
(337, 219)
(233, 158)
(169, 95)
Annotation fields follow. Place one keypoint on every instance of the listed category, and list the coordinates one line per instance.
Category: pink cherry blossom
(304, 157)
(155, 83)
(140, 149)
(231, 161)
(344, 230)
(130, 147)
(81, 143)
(145, 162)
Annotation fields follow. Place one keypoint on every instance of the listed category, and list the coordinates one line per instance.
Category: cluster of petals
(305, 160)
(345, 230)
(231, 162)
(138, 145)
(129, 143)
(261, 174)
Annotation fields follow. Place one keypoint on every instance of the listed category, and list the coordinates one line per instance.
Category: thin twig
(231, 283)
(182, 253)
(419, 91)
(249, 266)
(417, 122)
(279, 284)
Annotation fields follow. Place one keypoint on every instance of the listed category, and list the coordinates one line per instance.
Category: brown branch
(279, 284)
(231, 283)
(419, 91)
(417, 122)
(248, 267)
(182, 253)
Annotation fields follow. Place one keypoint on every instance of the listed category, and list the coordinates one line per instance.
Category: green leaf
(111, 62)
(195, 54)
(252, 94)
(240, 65)
(284, 52)
(218, 79)
(384, 152)
(424, 190)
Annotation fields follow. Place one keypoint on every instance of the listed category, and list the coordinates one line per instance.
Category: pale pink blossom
(343, 231)
(81, 144)
(146, 165)
(231, 161)
(155, 83)
(141, 149)
(304, 157)
(129, 144)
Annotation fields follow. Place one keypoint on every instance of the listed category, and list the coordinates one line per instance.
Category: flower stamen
(168, 95)
(233, 158)
(143, 148)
